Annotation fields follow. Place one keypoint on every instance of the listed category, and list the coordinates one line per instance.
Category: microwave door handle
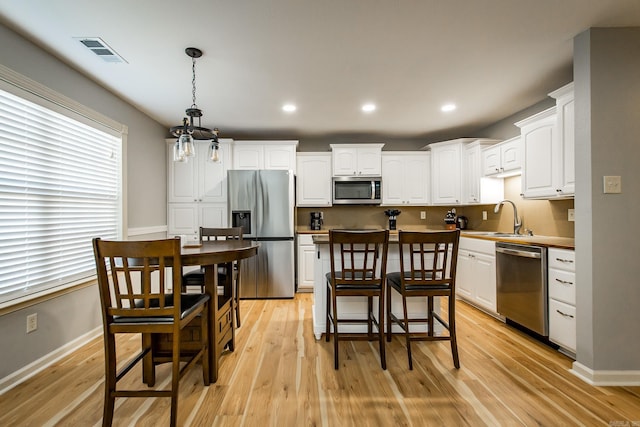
(373, 189)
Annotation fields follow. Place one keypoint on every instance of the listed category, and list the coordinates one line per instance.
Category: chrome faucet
(517, 224)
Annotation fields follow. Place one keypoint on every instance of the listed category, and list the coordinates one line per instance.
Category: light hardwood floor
(280, 375)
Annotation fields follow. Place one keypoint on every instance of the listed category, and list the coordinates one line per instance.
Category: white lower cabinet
(476, 273)
(562, 298)
(306, 259)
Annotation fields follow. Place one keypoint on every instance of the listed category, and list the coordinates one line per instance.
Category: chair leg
(237, 307)
(430, 324)
(109, 380)
(407, 336)
(452, 331)
(370, 318)
(206, 344)
(328, 326)
(175, 376)
(383, 356)
(388, 312)
(336, 338)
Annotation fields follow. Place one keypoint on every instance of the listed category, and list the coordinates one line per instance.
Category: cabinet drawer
(562, 324)
(305, 239)
(562, 259)
(478, 245)
(562, 286)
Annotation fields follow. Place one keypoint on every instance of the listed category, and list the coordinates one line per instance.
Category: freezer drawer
(270, 274)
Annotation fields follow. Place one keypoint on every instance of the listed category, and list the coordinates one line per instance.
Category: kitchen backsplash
(543, 217)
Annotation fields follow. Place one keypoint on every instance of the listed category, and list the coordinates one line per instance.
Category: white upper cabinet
(265, 155)
(476, 188)
(446, 172)
(313, 180)
(405, 177)
(357, 159)
(456, 173)
(548, 149)
(199, 179)
(502, 158)
(565, 123)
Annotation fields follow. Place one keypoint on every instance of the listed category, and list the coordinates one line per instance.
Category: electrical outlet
(571, 215)
(612, 185)
(423, 215)
(32, 322)
(484, 215)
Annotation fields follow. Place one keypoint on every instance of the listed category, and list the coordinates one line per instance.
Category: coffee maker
(316, 220)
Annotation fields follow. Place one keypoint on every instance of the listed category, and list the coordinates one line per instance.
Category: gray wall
(69, 316)
(607, 94)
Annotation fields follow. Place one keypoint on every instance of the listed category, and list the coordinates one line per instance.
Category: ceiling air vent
(100, 48)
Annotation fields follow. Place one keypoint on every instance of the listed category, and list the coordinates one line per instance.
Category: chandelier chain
(193, 82)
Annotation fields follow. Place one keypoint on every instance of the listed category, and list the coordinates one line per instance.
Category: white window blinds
(59, 188)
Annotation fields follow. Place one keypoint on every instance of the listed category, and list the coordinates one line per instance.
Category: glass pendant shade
(186, 140)
(214, 152)
(178, 152)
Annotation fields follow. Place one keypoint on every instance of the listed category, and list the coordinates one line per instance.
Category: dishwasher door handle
(515, 252)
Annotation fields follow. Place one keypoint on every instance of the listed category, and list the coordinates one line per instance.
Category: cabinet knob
(558, 190)
(497, 169)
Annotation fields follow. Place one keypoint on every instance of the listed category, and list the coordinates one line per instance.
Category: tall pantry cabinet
(197, 190)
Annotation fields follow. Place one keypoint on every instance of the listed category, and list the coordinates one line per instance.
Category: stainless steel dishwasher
(521, 272)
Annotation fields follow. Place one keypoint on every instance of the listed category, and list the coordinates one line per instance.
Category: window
(60, 186)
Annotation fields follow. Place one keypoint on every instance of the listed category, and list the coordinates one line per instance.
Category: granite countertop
(322, 236)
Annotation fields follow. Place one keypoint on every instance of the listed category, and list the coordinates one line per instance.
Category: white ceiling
(490, 57)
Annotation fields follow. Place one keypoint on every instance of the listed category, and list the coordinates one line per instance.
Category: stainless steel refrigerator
(262, 203)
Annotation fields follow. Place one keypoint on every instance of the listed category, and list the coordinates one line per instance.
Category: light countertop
(322, 236)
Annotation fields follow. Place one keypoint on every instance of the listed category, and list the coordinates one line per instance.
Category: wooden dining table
(210, 254)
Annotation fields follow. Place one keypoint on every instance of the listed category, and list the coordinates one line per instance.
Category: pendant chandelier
(188, 131)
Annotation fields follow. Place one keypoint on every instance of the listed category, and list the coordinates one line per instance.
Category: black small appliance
(316, 220)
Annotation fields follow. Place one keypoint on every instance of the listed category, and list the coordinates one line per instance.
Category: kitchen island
(356, 307)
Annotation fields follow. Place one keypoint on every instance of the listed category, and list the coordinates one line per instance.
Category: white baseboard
(605, 378)
(21, 375)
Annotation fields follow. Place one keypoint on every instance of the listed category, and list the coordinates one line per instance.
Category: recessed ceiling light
(448, 107)
(289, 108)
(368, 108)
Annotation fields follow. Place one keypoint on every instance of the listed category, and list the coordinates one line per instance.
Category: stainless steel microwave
(357, 190)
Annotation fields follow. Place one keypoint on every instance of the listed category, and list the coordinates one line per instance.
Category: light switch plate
(612, 185)
(484, 215)
(423, 215)
(571, 215)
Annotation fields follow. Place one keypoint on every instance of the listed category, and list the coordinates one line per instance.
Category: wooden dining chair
(427, 270)
(196, 278)
(355, 272)
(133, 278)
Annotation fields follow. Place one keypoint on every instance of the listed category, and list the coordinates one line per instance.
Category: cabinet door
(393, 179)
(182, 219)
(511, 155)
(306, 260)
(471, 188)
(485, 277)
(491, 161)
(445, 174)
(369, 161)
(417, 171)
(212, 176)
(345, 161)
(539, 174)
(313, 186)
(181, 179)
(566, 130)
(464, 275)
(282, 157)
(248, 156)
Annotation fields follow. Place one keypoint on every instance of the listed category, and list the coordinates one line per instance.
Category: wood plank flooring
(280, 375)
